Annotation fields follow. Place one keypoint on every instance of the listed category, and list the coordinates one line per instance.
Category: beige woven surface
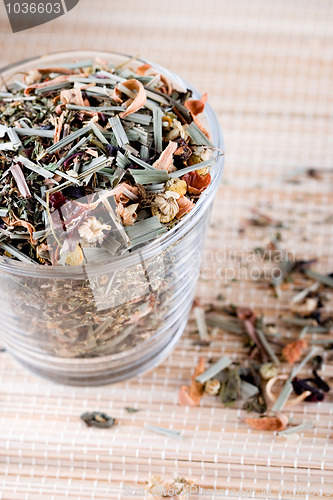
(268, 69)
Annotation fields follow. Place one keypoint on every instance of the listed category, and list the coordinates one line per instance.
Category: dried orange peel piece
(60, 70)
(128, 214)
(196, 183)
(58, 124)
(58, 79)
(125, 192)
(185, 206)
(165, 161)
(277, 423)
(73, 96)
(141, 70)
(293, 351)
(196, 106)
(22, 223)
(200, 126)
(135, 104)
(191, 396)
(147, 70)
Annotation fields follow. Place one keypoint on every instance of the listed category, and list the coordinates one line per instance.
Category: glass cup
(106, 321)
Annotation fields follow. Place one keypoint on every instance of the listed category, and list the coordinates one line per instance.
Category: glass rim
(160, 243)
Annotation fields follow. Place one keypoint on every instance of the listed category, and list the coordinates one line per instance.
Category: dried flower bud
(92, 230)
(165, 206)
(271, 329)
(177, 130)
(74, 258)
(72, 173)
(33, 76)
(176, 185)
(167, 121)
(212, 387)
(268, 371)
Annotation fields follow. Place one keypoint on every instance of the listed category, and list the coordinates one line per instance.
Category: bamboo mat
(268, 69)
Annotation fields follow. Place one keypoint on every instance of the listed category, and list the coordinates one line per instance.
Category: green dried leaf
(131, 410)
(98, 419)
(230, 387)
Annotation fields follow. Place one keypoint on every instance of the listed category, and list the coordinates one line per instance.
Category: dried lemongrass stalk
(213, 370)
(58, 79)
(165, 432)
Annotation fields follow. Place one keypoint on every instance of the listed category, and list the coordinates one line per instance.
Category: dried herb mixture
(96, 160)
(248, 383)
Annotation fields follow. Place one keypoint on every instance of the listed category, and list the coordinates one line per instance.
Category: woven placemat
(267, 68)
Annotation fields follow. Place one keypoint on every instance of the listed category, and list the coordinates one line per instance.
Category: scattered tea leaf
(98, 419)
(131, 410)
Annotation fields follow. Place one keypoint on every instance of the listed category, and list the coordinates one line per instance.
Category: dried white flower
(178, 488)
(165, 206)
(92, 230)
(177, 130)
(205, 154)
(306, 308)
(33, 76)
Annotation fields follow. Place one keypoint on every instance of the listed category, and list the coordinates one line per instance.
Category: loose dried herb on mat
(248, 383)
(96, 161)
(98, 419)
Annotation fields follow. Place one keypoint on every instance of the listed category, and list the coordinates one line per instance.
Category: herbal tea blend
(251, 382)
(96, 160)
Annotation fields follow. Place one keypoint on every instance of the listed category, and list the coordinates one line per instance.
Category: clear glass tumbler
(100, 323)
